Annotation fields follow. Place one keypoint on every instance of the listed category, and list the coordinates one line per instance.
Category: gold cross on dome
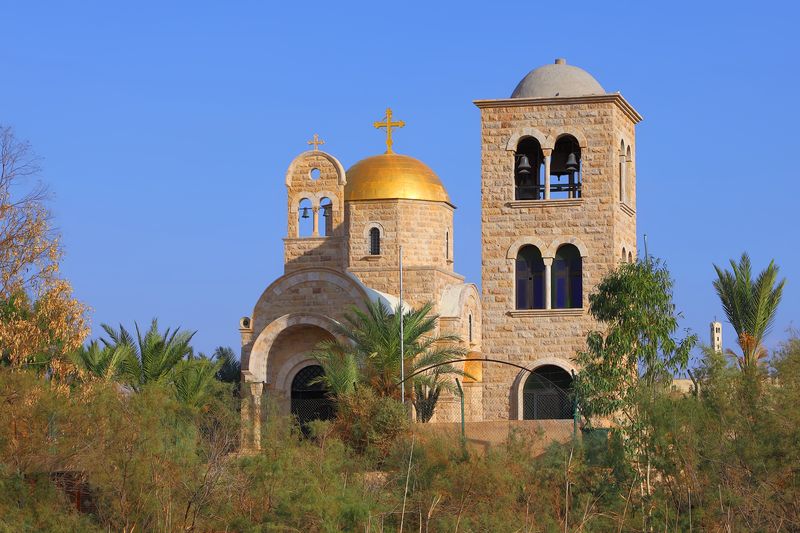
(316, 141)
(388, 124)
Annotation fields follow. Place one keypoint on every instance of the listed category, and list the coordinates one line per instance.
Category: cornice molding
(543, 313)
(615, 98)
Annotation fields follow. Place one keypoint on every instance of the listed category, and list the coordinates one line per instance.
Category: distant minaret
(716, 336)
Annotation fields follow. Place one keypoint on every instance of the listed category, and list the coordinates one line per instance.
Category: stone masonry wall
(592, 223)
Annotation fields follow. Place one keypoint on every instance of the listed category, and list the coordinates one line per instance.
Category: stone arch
(544, 140)
(254, 368)
(577, 133)
(512, 251)
(342, 178)
(560, 241)
(330, 195)
(349, 285)
(518, 385)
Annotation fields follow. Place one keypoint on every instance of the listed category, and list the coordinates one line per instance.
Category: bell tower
(558, 202)
(315, 212)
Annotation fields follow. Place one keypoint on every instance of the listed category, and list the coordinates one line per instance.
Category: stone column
(315, 210)
(548, 296)
(547, 156)
(256, 389)
(246, 441)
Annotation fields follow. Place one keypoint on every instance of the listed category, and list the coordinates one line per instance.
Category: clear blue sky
(166, 129)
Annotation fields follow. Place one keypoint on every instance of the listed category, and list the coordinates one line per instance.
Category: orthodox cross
(316, 141)
(388, 124)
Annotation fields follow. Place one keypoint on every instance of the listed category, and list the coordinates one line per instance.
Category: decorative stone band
(537, 204)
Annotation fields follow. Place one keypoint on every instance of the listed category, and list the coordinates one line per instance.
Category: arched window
(305, 218)
(630, 257)
(528, 170)
(567, 285)
(447, 245)
(546, 394)
(565, 169)
(310, 400)
(530, 278)
(624, 255)
(326, 210)
(375, 241)
(470, 328)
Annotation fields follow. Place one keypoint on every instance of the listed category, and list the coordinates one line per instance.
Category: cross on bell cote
(388, 124)
(316, 141)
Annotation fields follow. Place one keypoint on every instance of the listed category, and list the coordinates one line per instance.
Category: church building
(558, 212)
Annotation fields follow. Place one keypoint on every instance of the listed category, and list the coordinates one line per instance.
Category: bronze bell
(524, 166)
(305, 213)
(572, 162)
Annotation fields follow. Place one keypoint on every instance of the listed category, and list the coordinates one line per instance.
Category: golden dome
(389, 176)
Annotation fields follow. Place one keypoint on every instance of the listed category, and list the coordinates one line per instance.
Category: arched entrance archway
(546, 394)
(309, 397)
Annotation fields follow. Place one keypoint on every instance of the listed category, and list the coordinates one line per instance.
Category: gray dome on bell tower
(557, 80)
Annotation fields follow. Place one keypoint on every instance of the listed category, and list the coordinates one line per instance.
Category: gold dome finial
(388, 124)
(316, 141)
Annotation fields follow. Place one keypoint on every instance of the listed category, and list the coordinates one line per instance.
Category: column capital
(256, 389)
(547, 152)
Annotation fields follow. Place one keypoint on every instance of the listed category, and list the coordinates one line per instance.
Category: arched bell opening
(528, 170)
(547, 394)
(305, 218)
(310, 399)
(565, 169)
(326, 210)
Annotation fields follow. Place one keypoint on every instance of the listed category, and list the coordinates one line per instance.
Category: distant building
(716, 336)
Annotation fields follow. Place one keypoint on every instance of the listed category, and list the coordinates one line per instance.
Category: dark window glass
(547, 394)
(530, 278)
(375, 241)
(567, 283)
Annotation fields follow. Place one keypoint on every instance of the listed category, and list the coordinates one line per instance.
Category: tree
(370, 352)
(633, 357)
(231, 369)
(106, 363)
(155, 355)
(750, 306)
(40, 321)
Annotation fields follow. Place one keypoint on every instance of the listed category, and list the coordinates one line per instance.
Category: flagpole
(402, 348)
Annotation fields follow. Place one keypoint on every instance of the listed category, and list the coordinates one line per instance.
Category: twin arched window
(564, 283)
(537, 177)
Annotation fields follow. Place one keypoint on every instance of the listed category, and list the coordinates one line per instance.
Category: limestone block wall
(315, 176)
(591, 223)
(423, 228)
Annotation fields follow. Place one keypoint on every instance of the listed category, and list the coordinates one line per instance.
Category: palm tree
(108, 363)
(749, 305)
(193, 379)
(230, 370)
(155, 355)
(370, 352)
